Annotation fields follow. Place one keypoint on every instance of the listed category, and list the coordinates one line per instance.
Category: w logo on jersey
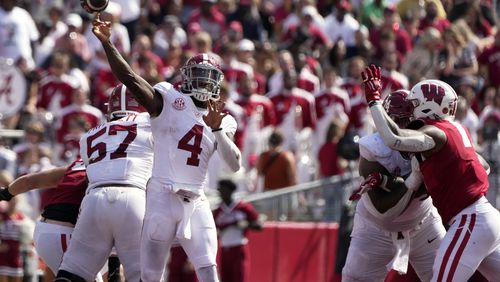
(433, 92)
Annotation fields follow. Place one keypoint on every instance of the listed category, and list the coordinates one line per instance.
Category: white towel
(184, 227)
(401, 258)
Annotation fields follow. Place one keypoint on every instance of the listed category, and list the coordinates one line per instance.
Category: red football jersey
(71, 189)
(283, 103)
(454, 176)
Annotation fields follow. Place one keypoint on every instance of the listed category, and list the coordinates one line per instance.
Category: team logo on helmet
(179, 104)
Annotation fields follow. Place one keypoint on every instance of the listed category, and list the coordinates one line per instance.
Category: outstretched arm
(394, 137)
(143, 92)
(44, 179)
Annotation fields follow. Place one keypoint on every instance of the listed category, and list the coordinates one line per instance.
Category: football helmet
(398, 107)
(122, 103)
(202, 77)
(434, 99)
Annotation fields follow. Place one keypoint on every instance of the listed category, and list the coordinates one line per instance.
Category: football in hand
(94, 6)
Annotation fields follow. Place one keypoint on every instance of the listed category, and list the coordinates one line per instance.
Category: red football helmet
(202, 77)
(399, 108)
(121, 103)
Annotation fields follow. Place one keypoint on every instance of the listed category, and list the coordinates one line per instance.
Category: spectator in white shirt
(341, 25)
(17, 33)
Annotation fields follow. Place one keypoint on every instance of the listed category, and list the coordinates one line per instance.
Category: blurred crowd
(292, 76)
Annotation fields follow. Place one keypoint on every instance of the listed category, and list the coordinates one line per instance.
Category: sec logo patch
(179, 104)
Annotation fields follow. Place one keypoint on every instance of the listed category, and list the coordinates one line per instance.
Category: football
(94, 6)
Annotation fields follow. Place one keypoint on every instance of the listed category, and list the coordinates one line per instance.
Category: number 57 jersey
(183, 142)
(119, 152)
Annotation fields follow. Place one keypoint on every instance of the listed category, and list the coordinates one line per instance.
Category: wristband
(373, 103)
(5, 194)
(217, 129)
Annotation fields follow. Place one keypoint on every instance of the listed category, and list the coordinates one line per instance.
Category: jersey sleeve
(163, 88)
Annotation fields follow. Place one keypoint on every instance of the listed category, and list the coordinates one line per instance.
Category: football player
(455, 175)
(188, 126)
(395, 222)
(118, 156)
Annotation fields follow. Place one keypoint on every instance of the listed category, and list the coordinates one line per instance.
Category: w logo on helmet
(433, 92)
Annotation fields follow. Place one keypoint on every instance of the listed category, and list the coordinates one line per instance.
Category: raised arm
(394, 137)
(144, 93)
(44, 179)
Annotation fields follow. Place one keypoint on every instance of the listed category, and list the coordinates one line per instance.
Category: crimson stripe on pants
(456, 259)
(451, 247)
(63, 243)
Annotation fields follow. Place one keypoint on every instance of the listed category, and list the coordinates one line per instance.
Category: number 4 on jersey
(195, 149)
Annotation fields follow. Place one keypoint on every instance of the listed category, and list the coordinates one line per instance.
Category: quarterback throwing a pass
(187, 126)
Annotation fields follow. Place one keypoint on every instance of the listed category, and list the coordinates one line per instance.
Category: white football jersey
(184, 143)
(372, 148)
(119, 152)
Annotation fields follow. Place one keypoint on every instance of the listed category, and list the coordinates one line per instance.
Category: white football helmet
(434, 99)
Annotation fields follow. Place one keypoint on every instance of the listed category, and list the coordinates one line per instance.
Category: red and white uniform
(91, 114)
(55, 93)
(297, 97)
(392, 81)
(250, 106)
(358, 112)
(177, 207)
(384, 241)
(473, 238)
(13, 230)
(118, 156)
(235, 260)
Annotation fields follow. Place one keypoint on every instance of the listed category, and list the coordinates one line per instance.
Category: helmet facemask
(202, 81)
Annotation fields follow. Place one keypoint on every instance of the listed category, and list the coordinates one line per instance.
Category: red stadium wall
(293, 252)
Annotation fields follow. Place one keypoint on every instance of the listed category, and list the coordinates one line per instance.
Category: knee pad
(207, 274)
(65, 276)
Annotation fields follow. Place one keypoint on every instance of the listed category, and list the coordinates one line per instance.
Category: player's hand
(5, 195)
(101, 29)
(215, 115)
(373, 180)
(373, 83)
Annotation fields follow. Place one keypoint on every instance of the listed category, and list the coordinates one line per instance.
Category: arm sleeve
(226, 147)
(414, 142)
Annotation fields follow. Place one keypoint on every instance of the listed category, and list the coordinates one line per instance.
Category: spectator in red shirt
(306, 34)
(55, 89)
(432, 19)
(330, 163)
(391, 24)
(489, 61)
(142, 54)
(210, 19)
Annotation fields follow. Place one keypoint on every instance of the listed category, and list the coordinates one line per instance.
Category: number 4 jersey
(119, 152)
(184, 143)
